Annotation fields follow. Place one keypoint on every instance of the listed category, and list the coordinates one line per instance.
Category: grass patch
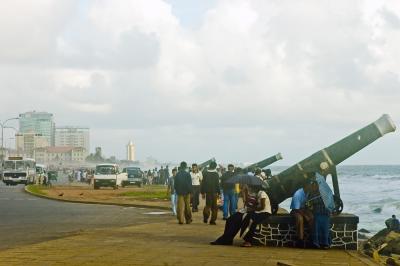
(147, 195)
(36, 189)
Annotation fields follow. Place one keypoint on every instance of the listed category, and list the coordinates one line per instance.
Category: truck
(18, 170)
(108, 175)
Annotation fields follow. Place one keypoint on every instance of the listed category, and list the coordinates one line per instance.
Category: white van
(108, 175)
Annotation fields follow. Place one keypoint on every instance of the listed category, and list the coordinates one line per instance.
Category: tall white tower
(130, 151)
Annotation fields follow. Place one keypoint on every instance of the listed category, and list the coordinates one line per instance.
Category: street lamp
(3, 125)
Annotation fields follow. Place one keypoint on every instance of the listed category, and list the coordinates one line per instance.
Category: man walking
(171, 190)
(210, 191)
(228, 190)
(183, 188)
(197, 177)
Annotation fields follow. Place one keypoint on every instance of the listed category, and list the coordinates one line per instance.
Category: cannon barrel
(263, 163)
(206, 163)
(283, 185)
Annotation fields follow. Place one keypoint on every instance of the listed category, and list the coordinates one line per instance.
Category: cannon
(206, 163)
(263, 163)
(283, 185)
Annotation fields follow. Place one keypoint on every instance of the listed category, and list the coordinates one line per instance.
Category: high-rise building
(76, 137)
(26, 143)
(41, 123)
(130, 151)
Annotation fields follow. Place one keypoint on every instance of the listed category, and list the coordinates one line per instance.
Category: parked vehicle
(17, 170)
(108, 175)
(52, 175)
(135, 176)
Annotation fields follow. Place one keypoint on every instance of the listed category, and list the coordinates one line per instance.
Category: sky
(238, 80)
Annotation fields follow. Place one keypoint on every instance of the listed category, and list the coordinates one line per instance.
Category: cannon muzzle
(283, 185)
(263, 163)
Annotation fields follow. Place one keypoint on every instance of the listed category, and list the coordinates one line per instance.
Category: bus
(17, 170)
(108, 175)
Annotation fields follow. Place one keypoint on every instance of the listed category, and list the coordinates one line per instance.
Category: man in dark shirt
(210, 191)
(183, 188)
(228, 189)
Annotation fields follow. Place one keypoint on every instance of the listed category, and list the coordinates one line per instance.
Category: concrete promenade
(165, 243)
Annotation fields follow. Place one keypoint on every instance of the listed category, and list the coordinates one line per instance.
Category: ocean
(370, 191)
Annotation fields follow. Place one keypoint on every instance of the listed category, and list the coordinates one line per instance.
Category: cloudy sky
(236, 79)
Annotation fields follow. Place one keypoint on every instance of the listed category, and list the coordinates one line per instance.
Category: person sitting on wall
(239, 220)
(261, 212)
(300, 212)
(393, 224)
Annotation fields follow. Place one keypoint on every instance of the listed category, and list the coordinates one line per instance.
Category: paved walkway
(165, 243)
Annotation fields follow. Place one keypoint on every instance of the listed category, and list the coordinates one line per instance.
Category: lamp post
(3, 125)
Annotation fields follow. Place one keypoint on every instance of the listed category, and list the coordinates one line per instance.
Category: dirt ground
(104, 195)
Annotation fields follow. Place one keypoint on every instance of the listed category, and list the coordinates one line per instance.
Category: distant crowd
(161, 176)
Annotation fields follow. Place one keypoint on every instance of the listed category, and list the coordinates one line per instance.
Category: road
(26, 219)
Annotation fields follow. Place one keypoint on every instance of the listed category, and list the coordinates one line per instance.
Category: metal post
(3, 125)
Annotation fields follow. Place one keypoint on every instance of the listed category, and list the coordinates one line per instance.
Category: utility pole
(3, 126)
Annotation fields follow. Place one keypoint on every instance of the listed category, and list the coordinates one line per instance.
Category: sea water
(371, 192)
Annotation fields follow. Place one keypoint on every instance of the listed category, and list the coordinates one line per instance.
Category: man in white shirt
(197, 177)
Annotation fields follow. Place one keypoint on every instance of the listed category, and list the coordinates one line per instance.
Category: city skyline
(190, 81)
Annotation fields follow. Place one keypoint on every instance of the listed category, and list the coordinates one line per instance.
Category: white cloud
(91, 107)
(307, 70)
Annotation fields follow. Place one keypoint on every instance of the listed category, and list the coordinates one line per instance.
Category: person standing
(210, 192)
(171, 190)
(320, 232)
(183, 188)
(166, 174)
(197, 177)
(228, 190)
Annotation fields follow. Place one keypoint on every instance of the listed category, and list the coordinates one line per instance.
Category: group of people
(307, 206)
(309, 209)
(156, 176)
(185, 189)
(80, 175)
(211, 184)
